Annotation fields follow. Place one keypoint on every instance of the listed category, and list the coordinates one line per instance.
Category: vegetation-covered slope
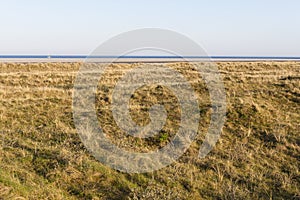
(257, 157)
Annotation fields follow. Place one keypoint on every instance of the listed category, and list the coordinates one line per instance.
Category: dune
(257, 156)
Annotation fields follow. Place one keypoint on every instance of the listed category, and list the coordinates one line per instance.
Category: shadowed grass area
(257, 157)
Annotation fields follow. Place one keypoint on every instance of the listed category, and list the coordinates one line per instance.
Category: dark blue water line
(148, 57)
(23, 56)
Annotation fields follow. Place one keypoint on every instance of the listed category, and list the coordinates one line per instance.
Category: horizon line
(82, 56)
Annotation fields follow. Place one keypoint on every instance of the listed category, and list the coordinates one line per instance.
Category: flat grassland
(257, 156)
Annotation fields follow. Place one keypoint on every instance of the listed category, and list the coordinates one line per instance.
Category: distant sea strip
(149, 57)
(129, 59)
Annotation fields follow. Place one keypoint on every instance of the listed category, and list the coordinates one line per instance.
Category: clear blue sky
(224, 27)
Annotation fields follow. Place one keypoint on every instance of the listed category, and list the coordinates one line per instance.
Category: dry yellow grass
(257, 157)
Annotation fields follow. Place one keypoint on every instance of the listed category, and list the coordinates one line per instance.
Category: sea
(54, 58)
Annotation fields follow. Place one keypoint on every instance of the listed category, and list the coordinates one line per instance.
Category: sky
(222, 28)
